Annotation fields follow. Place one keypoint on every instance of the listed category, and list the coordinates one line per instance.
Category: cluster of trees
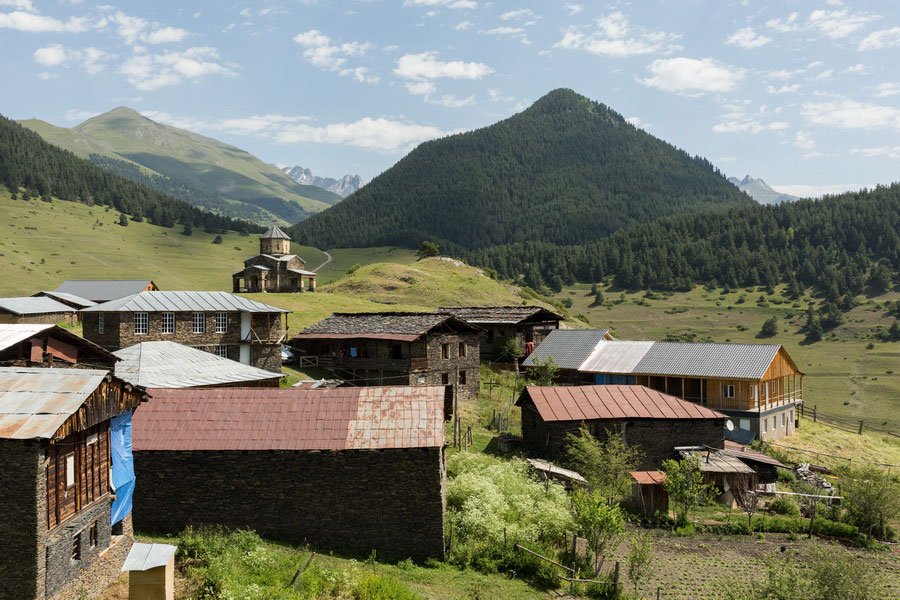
(841, 246)
(566, 171)
(46, 171)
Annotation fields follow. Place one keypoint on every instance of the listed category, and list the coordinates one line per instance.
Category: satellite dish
(729, 425)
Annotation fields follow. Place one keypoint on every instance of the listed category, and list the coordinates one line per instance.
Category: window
(70, 470)
(198, 323)
(462, 378)
(421, 380)
(445, 378)
(141, 323)
(792, 416)
(445, 351)
(168, 322)
(101, 322)
(76, 547)
(774, 423)
(765, 423)
(745, 424)
(222, 351)
(396, 351)
(728, 391)
(783, 419)
(221, 322)
(462, 349)
(92, 534)
(490, 335)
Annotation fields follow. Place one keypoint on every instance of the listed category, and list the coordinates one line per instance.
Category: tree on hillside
(188, 229)
(769, 328)
(600, 523)
(872, 499)
(217, 239)
(123, 220)
(607, 465)
(427, 250)
(685, 486)
(543, 372)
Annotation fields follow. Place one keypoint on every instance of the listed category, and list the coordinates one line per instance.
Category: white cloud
(453, 101)
(323, 54)
(75, 114)
(91, 59)
(850, 114)
(573, 9)
(50, 56)
(47, 75)
(804, 142)
(379, 134)
(514, 32)
(838, 24)
(614, 36)
(361, 74)
(857, 68)
(692, 76)
(165, 35)
(428, 90)
(147, 71)
(784, 25)
(447, 3)
(135, 29)
(747, 38)
(785, 89)
(826, 74)
(19, 4)
(782, 74)
(463, 25)
(518, 15)
(885, 38)
(34, 23)
(890, 88)
(638, 122)
(421, 88)
(815, 190)
(258, 124)
(878, 151)
(426, 66)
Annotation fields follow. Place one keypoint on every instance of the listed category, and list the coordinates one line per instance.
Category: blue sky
(803, 93)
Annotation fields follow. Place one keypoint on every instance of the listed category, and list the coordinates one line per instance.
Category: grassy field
(345, 258)
(844, 376)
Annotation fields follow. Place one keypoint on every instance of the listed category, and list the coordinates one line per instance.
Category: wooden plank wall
(91, 463)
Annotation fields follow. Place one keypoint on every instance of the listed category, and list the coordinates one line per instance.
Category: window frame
(141, 323)
(222, 317)
(462, 378)
(728, 391)
(445, 351)
(461, 350)
(168, 328)
(101, 323)
(445, 378)
(221, 350)
(201, 322)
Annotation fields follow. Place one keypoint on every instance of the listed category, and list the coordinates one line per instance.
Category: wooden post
(860, 427)
(657, 592)
(815, 411)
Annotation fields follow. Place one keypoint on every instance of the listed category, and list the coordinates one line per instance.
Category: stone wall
(265, 356)
(20, 465)
(103, 570)
(655, 437)
(41, 318)
(391, 501)
(60, 570)
(470, 364)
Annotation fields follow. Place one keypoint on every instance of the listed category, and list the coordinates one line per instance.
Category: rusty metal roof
(35, 402)
(648, 477)
(597, 402)
(364, 418)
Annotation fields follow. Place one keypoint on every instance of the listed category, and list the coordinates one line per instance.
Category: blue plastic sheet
(122, 465)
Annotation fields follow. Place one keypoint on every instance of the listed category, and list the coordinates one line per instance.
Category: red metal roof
(366, 418)
(648, 477)
(593, 402)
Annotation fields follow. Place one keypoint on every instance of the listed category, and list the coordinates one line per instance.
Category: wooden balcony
(400, 365)
(265, 336)
(749, 405)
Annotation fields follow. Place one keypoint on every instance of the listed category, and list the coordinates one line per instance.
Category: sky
(804, 94)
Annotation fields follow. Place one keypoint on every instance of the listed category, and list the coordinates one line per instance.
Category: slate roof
(568, 347)
(716, 461)
(748, 454)
(275, 232)
(364, 418)
(500, 314)
(171, 365)
(102, 290)
(594, 402)
(33, 305)
(71, 299)
(36, 402)
(400, 326)
(185, 301)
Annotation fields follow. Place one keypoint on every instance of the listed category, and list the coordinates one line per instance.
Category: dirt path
(327, 260)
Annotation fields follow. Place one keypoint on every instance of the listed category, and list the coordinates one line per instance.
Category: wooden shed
(648, 495)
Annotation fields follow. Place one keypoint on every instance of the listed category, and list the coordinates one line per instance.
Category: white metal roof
(568, 347)
(32, 305)
(35, 402)
(13, 333)
(185, 301)
(143, 557)
(66, 297)
(103, 289)
(172, 365)
(615, 357)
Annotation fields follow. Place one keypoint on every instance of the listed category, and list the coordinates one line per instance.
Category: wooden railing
(265, 336)
(749, 404)
(360, 362)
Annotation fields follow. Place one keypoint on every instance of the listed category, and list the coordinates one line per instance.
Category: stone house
(343, 469)
(104, 290)
(172, 365)
(274, 269)
(757, 385)
(56, 502)
(655, 422)
(525, 324)
(39, 309)
(50, 346)
(395, 348)
(227, 325)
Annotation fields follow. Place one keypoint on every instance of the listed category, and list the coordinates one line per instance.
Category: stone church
(274, 269)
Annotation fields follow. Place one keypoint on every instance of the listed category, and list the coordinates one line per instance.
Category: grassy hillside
(343, 259)
(42, 244)
(844, 376)
(197, 161)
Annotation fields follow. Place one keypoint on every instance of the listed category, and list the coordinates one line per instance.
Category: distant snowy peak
(343, 187)
(760, 191)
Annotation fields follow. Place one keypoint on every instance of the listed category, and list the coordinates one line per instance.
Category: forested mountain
(566, 170)
(44, 170)
(192, 161)
(840, 245)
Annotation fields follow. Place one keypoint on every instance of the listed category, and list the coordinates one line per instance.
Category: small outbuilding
(343, 469)
(527, 325)
(40, 309)
(24, 345)
(648, 496)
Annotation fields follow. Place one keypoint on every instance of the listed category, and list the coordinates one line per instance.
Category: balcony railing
(361, 362)
(265, 336)
(760, 405)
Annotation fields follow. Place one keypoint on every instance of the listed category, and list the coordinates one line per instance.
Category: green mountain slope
(194, 161)
(566, 170)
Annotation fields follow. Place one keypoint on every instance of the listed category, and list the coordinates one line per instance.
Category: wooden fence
(847, 424)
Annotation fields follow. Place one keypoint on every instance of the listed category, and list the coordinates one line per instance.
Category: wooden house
(274, 269)
(58, 511)
(39, 309)
(227, 325)
(50, 346)
(104, 290)
(757, 385)
(527, 325)
(344, 469)
(394, 348)
(653, 421)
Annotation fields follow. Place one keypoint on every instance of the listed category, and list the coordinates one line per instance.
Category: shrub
(353, 269)
(782, 505)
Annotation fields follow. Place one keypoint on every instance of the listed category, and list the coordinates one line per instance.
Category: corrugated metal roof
(597, 402)
(143, 557)
(275, 232)
(171, 365)
(103, 289)
(692, 359)
(568, 347)
(32, 305)
(13, 333)
(744, 453)
(363, 418)
(716, 461)
(64, 297)
(648, 477)
(185, 301)
(615, 357)
(35, 402)
(549, 468)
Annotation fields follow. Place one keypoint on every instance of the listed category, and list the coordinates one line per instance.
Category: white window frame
(765, 425)
(168, 322)
(198, 319)
(728, 390)
(221, 351)
(141, 323)
(70, 470)
(221, 322)
(783, 419)
(101, 322)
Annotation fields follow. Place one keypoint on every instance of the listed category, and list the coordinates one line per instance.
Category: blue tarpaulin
(122, 465)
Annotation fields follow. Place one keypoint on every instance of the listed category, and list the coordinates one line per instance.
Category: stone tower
(275, 242)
